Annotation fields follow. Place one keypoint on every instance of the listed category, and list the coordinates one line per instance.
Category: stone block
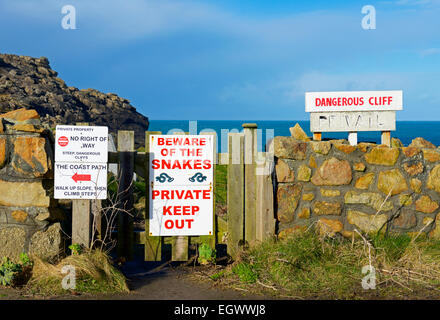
(333, 172)
(29, 156)
(326, 208)
(391, 182)
(371, 199)
(23, 194)
(366, 222)
(289, 148)
(382, 155)
(288, 197)
(364, 181)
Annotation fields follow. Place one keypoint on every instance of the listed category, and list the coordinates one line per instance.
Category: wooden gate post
(250, 183)
(265, 218)
(211, 240)
(317, 136)
(180, 244)
(153, 245)
(386, 138)
(81, 218)
(235, 199)
(81, 223)
(125, 194)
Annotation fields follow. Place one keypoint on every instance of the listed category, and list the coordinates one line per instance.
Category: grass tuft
(94, 274)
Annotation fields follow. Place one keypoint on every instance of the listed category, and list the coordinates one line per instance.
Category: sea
(405, 130)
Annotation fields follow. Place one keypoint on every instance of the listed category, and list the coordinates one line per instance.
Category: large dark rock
(31, 83)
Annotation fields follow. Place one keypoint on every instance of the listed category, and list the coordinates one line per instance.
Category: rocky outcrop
(27, 82)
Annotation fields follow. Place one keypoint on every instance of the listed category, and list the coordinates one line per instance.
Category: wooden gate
(250, 212)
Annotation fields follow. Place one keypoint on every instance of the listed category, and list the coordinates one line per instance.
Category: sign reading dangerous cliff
(181, 190)
(353, 111)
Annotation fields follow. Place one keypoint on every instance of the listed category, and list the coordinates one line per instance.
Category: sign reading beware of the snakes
(181, 189)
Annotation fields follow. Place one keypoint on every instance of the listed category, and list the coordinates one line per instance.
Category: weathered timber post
(265, 218)
(81, 218)
(386, 138)
(153, 245)
(180, 244)
(250, 183)
(317, 136)
(125, 194)
(235, 189)
(353, 138)
(81, 222)
(211, 239)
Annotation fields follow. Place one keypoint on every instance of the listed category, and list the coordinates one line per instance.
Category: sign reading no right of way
(181, 190)
(81, 154)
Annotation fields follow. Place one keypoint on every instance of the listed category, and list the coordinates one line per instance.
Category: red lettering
(156, 164)
(178, 223)
(207, 164)
(169, 224)
(317, 102)
(187, 164)
(197, 164)
(206, 194)
(167, 210)
(182, 224)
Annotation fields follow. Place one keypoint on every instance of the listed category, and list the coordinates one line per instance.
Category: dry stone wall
(368, 187)
(29, 217)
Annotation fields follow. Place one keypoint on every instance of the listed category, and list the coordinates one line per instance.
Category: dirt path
(167, 284)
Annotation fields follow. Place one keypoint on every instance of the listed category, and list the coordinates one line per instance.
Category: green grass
(245, 272)
(308, 266)
(221, 183)
(393, 247)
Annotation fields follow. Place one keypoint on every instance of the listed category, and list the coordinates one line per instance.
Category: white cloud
(429, 52)
(417, 2)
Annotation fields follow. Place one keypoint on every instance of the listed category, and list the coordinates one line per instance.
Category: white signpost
(353, 111)
(181, 190)
(81, 154)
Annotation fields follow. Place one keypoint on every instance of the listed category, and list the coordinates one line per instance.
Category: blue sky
(247, 59)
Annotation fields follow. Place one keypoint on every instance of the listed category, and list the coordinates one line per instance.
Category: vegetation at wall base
(94, 274)
(309, 266)
(15, 274)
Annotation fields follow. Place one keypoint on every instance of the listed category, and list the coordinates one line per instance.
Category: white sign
(75, 180)
(81, 144)
(352, 121)
(354, 101)
(181, 190)
(81, 154)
